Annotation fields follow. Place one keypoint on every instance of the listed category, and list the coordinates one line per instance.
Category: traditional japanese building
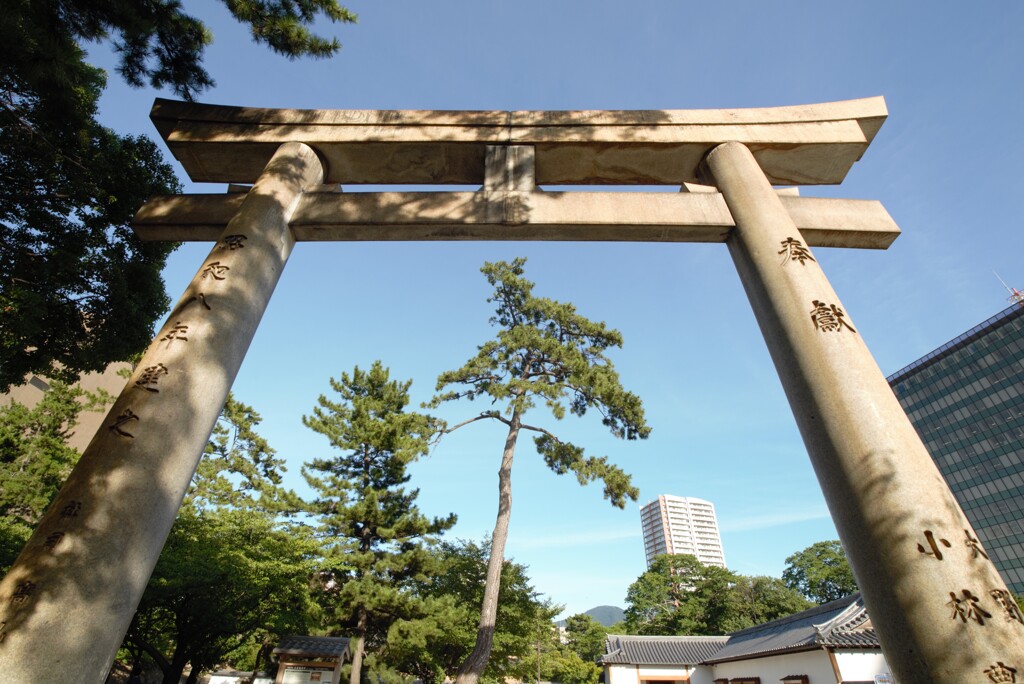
(965, 400)
(301, 660)
(307, 659)
(833, 642)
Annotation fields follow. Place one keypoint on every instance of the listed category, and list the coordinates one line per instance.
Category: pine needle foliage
(377, 542)
(544, 354)
(78, 289)
(157, 42)
(240, 469)
(35, 459)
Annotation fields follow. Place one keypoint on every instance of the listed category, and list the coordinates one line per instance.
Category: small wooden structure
(310, 659)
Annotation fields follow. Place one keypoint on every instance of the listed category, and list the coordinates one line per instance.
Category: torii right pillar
(937, 603)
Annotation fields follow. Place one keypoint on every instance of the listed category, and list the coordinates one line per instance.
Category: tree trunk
(193, 676)
(172, 675)
(474, 666)
(358, 645)
(260, 656)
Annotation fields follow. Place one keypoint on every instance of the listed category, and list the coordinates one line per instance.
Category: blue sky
(946, 165)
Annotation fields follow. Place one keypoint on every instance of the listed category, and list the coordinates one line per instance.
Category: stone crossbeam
(540, 216)
(799, 145)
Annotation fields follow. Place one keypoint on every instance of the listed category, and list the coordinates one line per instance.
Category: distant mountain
(606, 615)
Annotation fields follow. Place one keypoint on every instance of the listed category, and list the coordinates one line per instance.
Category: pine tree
(35, 459)
(544, 352)
(377, 540)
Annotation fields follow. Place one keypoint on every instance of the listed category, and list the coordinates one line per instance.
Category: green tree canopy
(374, 534)
(820, 572)
(157, 42)
(575, 661)
(434, 644)
(546, 353)
(764, 599)
(234, 575)
(680, 595)
(225, 577)
(585, 636)
(78, 290)
(239, 469)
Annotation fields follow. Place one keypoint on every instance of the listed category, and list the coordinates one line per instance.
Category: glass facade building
(966, 400)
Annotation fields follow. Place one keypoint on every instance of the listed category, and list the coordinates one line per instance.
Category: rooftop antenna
(1016, 296)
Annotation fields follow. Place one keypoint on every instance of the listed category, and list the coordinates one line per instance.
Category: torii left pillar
(70, 597)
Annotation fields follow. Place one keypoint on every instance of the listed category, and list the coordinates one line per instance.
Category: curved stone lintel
(799, 145)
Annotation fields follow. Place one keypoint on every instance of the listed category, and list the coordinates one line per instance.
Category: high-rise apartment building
(679, 524)
(966, 400)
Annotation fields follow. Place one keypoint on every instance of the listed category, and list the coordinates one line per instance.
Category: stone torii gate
(941, 610)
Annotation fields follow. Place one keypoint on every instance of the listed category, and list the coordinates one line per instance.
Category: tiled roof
(856, 632)
(843, 624)
(314, 646)
(839, 624)
(661, 650)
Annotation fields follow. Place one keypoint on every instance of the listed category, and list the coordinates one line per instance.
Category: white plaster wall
(632, 674)
(663, 672)
(622, 674)
(237, 679)
(861, 665)
(702, 674)
(815, 664)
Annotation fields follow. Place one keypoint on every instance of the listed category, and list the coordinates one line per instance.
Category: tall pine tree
(544, 353)
(375, 536)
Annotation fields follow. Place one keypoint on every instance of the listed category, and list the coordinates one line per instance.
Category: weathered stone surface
(934, 605)
(588, 216)
(69, 598)
(802, 145)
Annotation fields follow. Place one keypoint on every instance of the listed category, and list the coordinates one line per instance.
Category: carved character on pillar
(175, 333)
(150, 376)
(967, 608)
(71, 509)
(126, 416)
(793, 249)
(974, 545)
(52, 540)
(1001, 673)
(1006, 601)
(935, 552)
(201, 298)
(829, 317)
(215, 270)
(23, 592)
(233, 242)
